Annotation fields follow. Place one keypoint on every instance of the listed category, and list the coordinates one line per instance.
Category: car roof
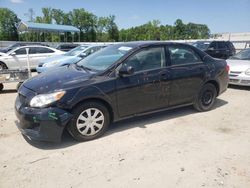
(135, 44)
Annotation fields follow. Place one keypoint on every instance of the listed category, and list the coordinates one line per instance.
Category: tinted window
(222, 45)
(150, 58)
(183, 55)
(20, 51)
(41, 50)
(213, 45)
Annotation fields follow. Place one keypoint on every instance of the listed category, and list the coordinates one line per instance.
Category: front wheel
(90, 121)
(206, 98)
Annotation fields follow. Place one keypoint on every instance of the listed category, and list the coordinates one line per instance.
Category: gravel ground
(177, 148)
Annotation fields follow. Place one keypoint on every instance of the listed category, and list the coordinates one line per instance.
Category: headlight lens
(247, 72)
(51, 64)
(45, 99)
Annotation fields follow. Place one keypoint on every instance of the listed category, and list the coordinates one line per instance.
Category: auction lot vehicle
(19, 44)
(70, 57)
(240, 68)
(17, 58)
(66, 47)
(217, 49)
(118, 82)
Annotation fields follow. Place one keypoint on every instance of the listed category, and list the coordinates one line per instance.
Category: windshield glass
(102, 59)
(76, 51)
(242, 55)
(201, 45)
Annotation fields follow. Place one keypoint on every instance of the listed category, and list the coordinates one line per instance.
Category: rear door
(147, 88)
(187, 74)
(37, 54)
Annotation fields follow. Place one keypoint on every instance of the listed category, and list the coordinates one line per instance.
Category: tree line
(96, 29)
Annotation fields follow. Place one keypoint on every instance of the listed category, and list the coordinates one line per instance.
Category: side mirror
(83, 55)
(13, 53)
(211, 48)
(126, 70)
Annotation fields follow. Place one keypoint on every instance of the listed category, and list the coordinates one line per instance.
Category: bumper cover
(46, 124)
(240, 80)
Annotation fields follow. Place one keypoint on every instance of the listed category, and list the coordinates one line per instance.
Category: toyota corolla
(118, 82)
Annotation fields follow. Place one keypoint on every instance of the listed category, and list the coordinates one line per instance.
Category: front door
(147, 89)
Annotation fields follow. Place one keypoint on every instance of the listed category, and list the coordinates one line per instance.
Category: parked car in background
(17, 58)
(66, 47)
(19, 44)
(217, 49)
(121, 81)
(70, 57)
(240, 68)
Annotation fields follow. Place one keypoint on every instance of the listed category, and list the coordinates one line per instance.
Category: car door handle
(164, 76)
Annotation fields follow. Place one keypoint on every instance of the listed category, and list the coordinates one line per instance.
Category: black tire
(72, 126)
(1, 87)
(206, 98)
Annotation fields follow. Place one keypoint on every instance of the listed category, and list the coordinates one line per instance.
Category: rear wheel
(206, 98)
(90, 121)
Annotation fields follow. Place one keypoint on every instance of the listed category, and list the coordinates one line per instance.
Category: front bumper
(46, 124)
(240, 80)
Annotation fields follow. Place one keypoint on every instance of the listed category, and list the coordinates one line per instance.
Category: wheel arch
(215, 83)
(4, 64)
(98, 100)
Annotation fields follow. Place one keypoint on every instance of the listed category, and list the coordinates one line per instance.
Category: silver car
(17, 58)
(240, 68)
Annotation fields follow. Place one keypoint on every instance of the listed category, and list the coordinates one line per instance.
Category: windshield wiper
(85, 68)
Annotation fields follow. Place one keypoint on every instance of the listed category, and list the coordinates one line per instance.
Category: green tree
(8, 24)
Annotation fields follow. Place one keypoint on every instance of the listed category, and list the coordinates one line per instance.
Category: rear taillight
(227, 68)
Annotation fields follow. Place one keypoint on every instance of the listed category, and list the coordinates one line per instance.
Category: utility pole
(30, 15)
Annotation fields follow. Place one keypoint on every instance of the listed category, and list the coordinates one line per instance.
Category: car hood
(60, 58)
(238, 65)
(61, 78)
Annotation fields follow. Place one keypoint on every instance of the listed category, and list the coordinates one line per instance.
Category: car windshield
(76, 51)
(102, 59)
(242, 55)
(201, 45)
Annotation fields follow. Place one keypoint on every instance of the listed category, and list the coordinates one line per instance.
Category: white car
(240, 68)
(17, 58)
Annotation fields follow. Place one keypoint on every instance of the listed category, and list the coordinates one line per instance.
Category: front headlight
(45, 99)
(247, 72)
(51, 64)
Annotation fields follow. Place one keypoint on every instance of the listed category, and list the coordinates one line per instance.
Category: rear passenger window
(146, 59)
(40, 50)
(180, 55)
(222, 45)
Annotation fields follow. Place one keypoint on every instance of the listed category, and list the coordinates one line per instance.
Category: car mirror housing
(211, 48)
(83, 55)
(126, 70)
(13, 53)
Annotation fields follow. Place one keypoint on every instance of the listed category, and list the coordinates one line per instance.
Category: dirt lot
(177, 148)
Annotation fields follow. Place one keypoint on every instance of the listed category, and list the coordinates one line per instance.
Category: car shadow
(140, 121)
(6, 91)
(247, 88)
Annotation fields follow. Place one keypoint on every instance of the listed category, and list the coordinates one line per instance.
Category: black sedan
(118, 82)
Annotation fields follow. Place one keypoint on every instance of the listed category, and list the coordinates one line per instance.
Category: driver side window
(146, 59)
